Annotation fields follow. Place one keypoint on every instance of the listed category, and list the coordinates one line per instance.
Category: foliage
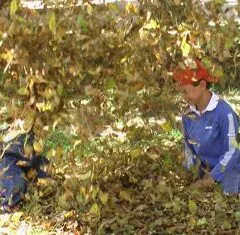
(94, 82)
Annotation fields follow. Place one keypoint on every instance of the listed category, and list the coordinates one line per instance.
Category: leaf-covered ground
(118, 170)
(123, 183)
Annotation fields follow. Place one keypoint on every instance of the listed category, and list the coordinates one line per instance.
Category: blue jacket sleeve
(189, 154)
(229, 129)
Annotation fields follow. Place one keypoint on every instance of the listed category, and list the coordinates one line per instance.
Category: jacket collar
(210, 107)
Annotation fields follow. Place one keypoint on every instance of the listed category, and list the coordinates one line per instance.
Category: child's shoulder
(224, 107)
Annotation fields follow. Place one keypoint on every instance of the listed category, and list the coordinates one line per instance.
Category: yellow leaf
(32, 173)
(141, 207)
(83, 191)
(22, 163)
(52, 23)
(69, 215)
(28, 122)
(8, 56)
(177, 2)
(218, 71)
(136, 153)
(153, 156)
(123, 60)
(152, 24)
(103, 197)
(131, 8)
(166, 126)
(192, 222)
(85, 176)
(13, 7)
(89, 9)
(28, 150)
(48, 93)
(16, 216)
(76, 143)
(38, 146)
(59, 152)
(125, 195)
(185, 47)
(43, 182)
(56, 122)
(143, 34)
(65, 200)
(44, 106)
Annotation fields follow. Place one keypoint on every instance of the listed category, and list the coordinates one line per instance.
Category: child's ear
(203, 83)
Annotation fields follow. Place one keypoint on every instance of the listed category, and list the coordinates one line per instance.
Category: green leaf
(237, 215)
(82, 23)
(52, 23)
(94, 209)
(202, 221)
(220, 1)
(207, 62)
(192, 206)
(135, 153)
(94, 193)
(218, 72)
(110, 84)
(13, 7)
(60, 89)
(23, 91)
(228, 43)
(226, 225)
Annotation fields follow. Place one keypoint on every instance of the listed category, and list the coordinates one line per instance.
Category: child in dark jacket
(14, 167)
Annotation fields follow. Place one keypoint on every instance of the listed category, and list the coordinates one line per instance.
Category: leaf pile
(95, 85)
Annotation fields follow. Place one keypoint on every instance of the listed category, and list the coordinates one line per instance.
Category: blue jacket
(211, 137)
(13, 180)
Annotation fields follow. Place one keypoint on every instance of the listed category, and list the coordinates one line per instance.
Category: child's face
(192, 94)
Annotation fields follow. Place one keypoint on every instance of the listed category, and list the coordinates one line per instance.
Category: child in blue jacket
(210, 129)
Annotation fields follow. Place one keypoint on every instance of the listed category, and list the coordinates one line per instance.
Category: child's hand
(206, 182)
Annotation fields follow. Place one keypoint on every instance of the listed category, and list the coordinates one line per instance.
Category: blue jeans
(231, 182)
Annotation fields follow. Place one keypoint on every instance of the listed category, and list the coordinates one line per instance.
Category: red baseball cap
(190, 75)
